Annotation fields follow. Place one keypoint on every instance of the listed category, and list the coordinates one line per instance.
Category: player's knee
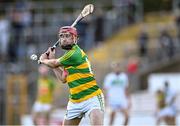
(126, 115)
(96, 113)
(125, 112)
(96, 116)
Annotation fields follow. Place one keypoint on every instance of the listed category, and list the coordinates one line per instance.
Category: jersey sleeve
(71, 58)
(126, 80)
(107, 82)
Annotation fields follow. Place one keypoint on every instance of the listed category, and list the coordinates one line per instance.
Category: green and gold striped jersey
(46, 86)
(80, 79)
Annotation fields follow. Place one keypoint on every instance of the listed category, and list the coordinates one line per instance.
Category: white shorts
(118, 104)
(167, 111)
(41, 107)
(78, 110)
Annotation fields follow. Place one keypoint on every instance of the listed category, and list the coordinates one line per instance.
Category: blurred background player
(116, 86)
(85, 97)
(43, 104)
(166, 105)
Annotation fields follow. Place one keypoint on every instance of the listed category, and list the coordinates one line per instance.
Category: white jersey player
(167, 113)
(116, 89)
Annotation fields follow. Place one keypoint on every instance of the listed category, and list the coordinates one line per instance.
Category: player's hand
(43, 56)
(51, 53)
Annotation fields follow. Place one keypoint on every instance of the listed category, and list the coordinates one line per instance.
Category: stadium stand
(124, 43)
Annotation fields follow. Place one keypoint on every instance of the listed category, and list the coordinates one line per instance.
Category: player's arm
(127, 88)
(61, 74)
(106, 85)
(49, 60)
(52, 63)
(127, 92)
(173, 99)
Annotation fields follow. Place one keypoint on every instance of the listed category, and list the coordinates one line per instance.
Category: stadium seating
(123, 45)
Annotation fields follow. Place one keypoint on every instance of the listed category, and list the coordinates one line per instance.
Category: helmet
(69, 29)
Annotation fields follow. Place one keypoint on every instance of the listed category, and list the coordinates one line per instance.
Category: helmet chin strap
(75, 39)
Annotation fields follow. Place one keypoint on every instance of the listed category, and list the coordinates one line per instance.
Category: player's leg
(160, 116)
(73, 115)
(35, 116)
(126, 115)
(169, 114)
(94, 108)
(173, 121)
(170, 120)
(46, 117)
(36, 112)
(166, 119)
(112, 117)
(74, 121)
(96, 117)
(47, 112)
(124, 109)
(159, 120)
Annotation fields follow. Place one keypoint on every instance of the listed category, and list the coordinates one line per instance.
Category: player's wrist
(39, 62)
(42, 61)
